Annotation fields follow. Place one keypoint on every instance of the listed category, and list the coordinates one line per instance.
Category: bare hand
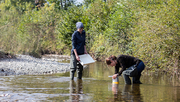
(114, 76)
(85, 52)
(78, 58)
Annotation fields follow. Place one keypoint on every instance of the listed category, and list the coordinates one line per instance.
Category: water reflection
(127, 93)
(96, 86)
(115, 90)
(76, 90)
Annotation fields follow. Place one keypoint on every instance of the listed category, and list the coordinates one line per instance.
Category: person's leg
(126, 77)
(73, 65)
(140, 68)
(80, 69)
(136, 80)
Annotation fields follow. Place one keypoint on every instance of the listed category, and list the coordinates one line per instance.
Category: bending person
(125, 61)
(78, 48)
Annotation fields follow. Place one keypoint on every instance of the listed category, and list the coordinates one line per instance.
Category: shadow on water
(95, 86)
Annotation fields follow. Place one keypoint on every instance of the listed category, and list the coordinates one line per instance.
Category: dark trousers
(136, 79)
(140, 68)
(75, 65)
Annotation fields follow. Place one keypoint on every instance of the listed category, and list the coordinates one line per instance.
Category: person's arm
(123, 67)
(116, 71)
(85, 51)
(74, 46)
(77, 57)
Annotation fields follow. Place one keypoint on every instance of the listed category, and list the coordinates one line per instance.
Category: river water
(95, 86)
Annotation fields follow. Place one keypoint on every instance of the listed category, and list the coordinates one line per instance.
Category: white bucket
(115, 81)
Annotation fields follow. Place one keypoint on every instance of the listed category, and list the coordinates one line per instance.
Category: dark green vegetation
(148, 29)
(6, 55)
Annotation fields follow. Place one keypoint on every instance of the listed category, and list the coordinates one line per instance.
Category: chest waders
(75, 65)
(130, 72)
(136, 74)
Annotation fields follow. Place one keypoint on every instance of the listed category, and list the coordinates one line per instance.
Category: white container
(115, 81)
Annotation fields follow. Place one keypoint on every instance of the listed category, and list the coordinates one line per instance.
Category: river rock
(28, 65)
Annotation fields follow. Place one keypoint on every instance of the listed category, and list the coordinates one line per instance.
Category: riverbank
(6, 55)
(28, 65)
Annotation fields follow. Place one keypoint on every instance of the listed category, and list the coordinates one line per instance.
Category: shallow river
(96, 86)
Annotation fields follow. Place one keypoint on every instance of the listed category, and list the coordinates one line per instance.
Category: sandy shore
(28, 65)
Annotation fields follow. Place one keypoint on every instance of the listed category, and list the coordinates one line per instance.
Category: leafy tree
(156, 34)
(67, 25)
(62, 4)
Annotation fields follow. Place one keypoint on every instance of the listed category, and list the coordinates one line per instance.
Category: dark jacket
(125, 61)
(78, 42)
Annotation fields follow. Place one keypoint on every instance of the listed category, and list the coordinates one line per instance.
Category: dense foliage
(148, 29)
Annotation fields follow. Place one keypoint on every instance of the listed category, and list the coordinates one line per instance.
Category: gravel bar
(28, 65)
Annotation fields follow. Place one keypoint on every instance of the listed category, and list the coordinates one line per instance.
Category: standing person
(78, 48)
(125, 61)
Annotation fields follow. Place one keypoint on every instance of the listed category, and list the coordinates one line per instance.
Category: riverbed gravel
(28, 65)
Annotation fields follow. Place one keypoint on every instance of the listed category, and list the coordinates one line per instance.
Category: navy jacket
(78, 42)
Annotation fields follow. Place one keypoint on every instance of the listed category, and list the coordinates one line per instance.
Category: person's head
(79, 26)
(111, 61)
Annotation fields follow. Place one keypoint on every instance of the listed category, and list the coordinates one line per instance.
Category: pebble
(28, 65)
